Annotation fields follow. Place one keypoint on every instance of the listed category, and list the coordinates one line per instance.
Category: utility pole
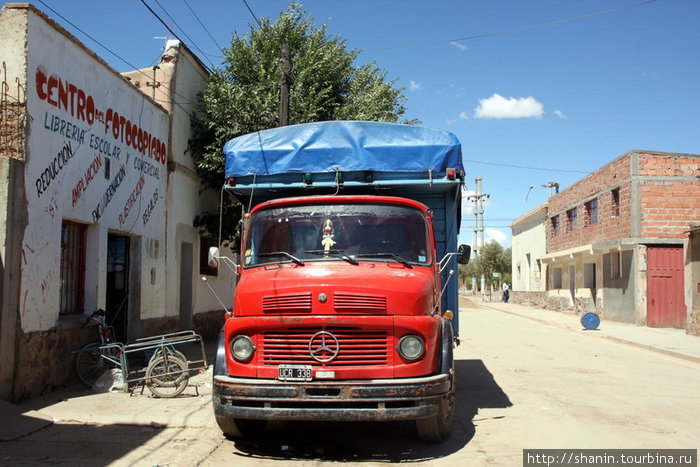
(286, 68)
(478, 199)
(155, 84)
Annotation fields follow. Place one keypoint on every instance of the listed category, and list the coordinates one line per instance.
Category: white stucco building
(529, 245)
(97, 197)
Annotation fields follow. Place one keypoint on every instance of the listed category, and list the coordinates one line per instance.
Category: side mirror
(213, 257)
(463, 254)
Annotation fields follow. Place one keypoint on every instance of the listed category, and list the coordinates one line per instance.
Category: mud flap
(447, 345)
(220, 360)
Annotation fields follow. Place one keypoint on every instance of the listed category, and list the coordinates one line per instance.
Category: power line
(510, 31)
(527, 168)
(178, 26)
(133, 67)
(185, 33)
(253, 14)
(202, 24)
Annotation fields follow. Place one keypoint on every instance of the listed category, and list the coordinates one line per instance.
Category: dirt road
(521, 384)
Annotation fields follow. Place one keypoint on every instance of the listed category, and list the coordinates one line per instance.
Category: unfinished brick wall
(669, 194)
(669, 200)
(610, 223)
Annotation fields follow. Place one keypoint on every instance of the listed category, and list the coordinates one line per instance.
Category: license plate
(294, 373)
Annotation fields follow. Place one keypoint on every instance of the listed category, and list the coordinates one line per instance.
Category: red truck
(346, 305)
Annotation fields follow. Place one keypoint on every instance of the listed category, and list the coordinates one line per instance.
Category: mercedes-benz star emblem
(323, 346)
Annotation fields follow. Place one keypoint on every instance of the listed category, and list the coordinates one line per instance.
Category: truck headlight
(411, 347)
(242, 348)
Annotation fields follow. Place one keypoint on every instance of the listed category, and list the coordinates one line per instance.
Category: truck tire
(237, 428)
(438, 427)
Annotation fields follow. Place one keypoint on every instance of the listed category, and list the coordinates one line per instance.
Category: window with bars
(615, 202)
(592, 211)
(72, 291)
(572, 217)
(555, 226)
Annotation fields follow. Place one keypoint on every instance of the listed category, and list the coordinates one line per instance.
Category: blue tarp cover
(342, 145)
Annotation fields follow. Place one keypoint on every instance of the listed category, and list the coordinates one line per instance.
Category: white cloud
(560, 114)
(415, 86)
(498, 106)
(463, 116)
(461, 47)
(495, 234)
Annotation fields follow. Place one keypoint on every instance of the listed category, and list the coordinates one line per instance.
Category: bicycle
(96, 357)
(167, 372)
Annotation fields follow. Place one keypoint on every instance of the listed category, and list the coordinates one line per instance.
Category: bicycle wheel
(90, 364)
(167, 376)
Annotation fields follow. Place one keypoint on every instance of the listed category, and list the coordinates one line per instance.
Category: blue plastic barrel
(590, 321)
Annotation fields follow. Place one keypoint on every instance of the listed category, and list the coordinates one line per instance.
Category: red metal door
(665, 301)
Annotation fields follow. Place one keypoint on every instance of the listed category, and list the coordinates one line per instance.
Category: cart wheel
(171, 353)
(89, 363)
(167, 376)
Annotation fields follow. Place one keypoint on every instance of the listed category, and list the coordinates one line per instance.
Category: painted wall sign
(96, 154)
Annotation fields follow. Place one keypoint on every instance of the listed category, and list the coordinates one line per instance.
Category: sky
(537, 91)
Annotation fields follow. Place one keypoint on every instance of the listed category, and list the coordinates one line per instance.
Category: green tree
(243, 95)
(492, 258)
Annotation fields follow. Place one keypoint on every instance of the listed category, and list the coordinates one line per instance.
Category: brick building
(618, 241)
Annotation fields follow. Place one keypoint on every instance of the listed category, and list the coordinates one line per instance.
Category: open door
(117, 301)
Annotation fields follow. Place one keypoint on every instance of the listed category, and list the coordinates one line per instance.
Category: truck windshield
(347, 232)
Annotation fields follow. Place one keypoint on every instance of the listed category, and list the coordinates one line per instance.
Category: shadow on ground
(75, 444)
(380, 441)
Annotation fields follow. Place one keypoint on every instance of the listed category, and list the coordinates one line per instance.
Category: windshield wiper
(283, 253)
(335, 253)
(386, 255)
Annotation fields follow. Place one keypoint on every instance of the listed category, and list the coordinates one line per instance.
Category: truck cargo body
(340, 312)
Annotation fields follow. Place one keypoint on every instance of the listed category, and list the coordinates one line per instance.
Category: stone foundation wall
(45, 360)
(694, 323)
(538, 299)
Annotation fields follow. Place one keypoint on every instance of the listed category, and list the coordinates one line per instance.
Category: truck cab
(341, 309)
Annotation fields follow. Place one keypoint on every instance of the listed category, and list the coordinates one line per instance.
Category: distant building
(619, 241)
(529, 245)
(97, 200)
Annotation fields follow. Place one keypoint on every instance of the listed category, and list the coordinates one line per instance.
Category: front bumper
(376, 400)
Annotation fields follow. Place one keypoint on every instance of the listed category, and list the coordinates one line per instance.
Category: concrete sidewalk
(77, 404)
(673, 342)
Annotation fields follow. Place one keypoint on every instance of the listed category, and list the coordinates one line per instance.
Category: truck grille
(296, 303)
(356, 347)
(361, 303)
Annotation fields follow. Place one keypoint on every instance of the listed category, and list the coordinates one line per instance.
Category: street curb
(669, 353)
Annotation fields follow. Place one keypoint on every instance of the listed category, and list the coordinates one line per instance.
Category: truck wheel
(235, 428)
(437, 427)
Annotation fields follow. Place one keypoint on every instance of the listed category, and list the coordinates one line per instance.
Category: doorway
(572, 284)
(117, 300)
(665, 287)
(186, 262)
